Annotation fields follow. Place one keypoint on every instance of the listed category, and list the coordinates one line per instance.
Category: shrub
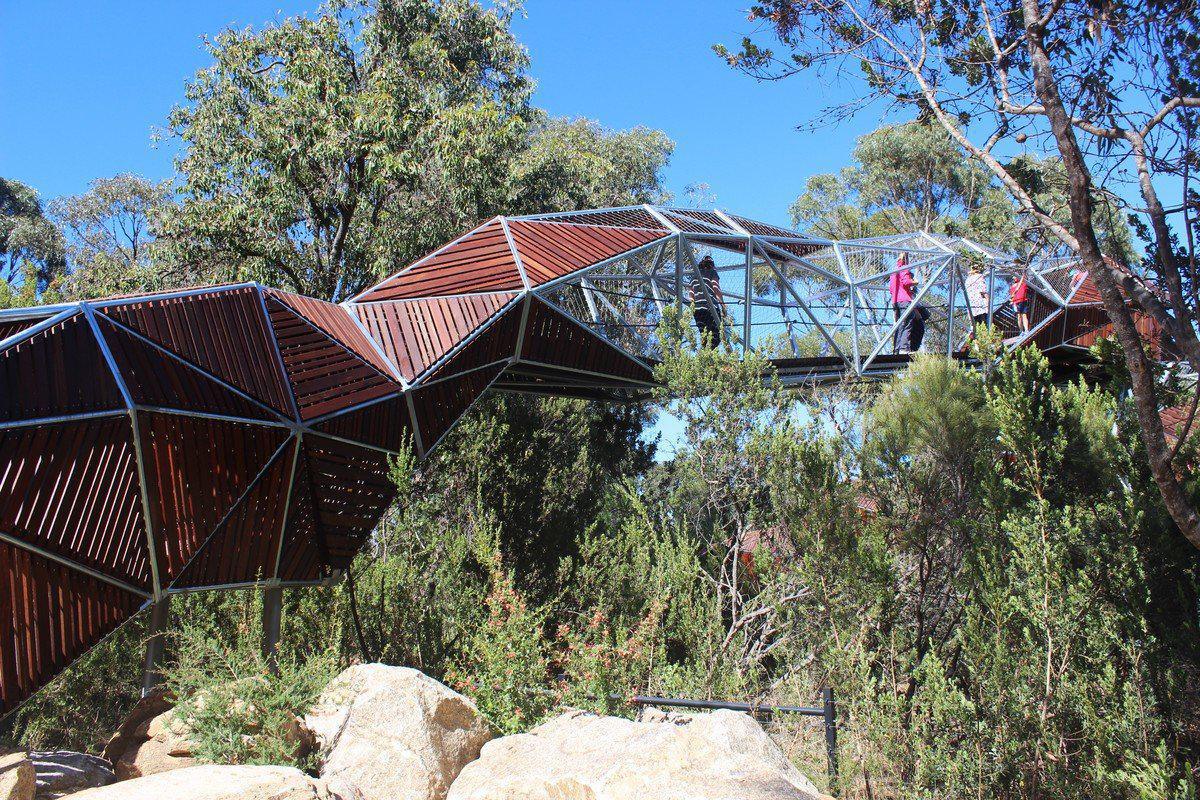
(238, 709)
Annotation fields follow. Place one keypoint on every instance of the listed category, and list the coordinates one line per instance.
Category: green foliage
(577, 164)
(81, 707)
(543, 469)
(915, 177)
(110, 238)
(31, 247)
(322, 151)
(237, 709)
(908, 177)
(506, 658)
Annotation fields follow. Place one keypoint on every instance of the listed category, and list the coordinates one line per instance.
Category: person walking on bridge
(709, 303)
(902, 287)
(1019, 297)
(978, 296)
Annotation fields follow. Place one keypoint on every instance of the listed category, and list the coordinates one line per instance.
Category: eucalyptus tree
(570, 164)
(907, 177)
(1110, 88)
(110, 237)
(324, 151)
(31, 247)
(914, 176)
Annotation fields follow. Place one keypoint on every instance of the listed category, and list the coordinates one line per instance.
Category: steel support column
(160, 617)
(272, 617)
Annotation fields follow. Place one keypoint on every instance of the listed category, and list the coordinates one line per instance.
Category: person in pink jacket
(903, 289)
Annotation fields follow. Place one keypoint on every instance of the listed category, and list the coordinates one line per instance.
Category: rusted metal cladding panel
(55, 372)
(351, 488)
(416, 333)
(301, 558)
(1093, 324)
(1051, 334)
(386, 424)
(496, 342)
(338, 323)
(52, 614)
(225, 333)
(325, 375)
(72, 489)
(243, 548)
(1083, 324)
(619, 218)
(155, 378)
(196, 470)
(1087, 291)
(550, 250)
(481, 261)
(441, 404)
(554, 339)
(14, 326)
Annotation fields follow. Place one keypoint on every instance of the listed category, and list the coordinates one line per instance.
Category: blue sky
(83, 86)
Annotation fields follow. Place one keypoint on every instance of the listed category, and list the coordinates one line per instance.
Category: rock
(580, 756)
(61, 772)
(132, 730)
(394, 733)
(157, 744)
(17, 778)
(154, 738)
(217, 782)
(150, 740)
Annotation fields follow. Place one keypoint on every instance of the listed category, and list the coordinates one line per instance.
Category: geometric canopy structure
(239, 435)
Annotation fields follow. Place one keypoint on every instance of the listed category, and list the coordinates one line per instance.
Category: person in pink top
(1018, 295)
(903, 289)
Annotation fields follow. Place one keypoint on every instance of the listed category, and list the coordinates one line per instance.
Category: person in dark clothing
(704, 290)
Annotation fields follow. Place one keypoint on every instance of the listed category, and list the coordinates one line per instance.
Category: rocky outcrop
(62, 772)
(17, 780)
(580, 756)
(394, 733)
(214, 782)
(150, 740)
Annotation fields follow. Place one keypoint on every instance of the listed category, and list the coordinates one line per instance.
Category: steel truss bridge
(239, 436)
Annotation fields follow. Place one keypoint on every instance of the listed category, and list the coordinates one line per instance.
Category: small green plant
(236, 708)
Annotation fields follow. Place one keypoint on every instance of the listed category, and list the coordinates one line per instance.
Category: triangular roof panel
(414, 334)
(224, 332)
(481, 261)
(552, 250)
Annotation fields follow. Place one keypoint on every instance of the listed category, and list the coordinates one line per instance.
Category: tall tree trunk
(1145, 394)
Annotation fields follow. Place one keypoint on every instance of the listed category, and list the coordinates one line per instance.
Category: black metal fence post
(831, 737)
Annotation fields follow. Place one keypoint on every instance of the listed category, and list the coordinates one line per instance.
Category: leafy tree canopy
(31, 247)
(321, 152)
(914, 176)
(110, 237)
(576, 164)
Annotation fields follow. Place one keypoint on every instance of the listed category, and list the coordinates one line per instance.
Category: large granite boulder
(17, 778)
(62, 772)
(393, 733)
(149, 740)
(724, 755)
(217, 782)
